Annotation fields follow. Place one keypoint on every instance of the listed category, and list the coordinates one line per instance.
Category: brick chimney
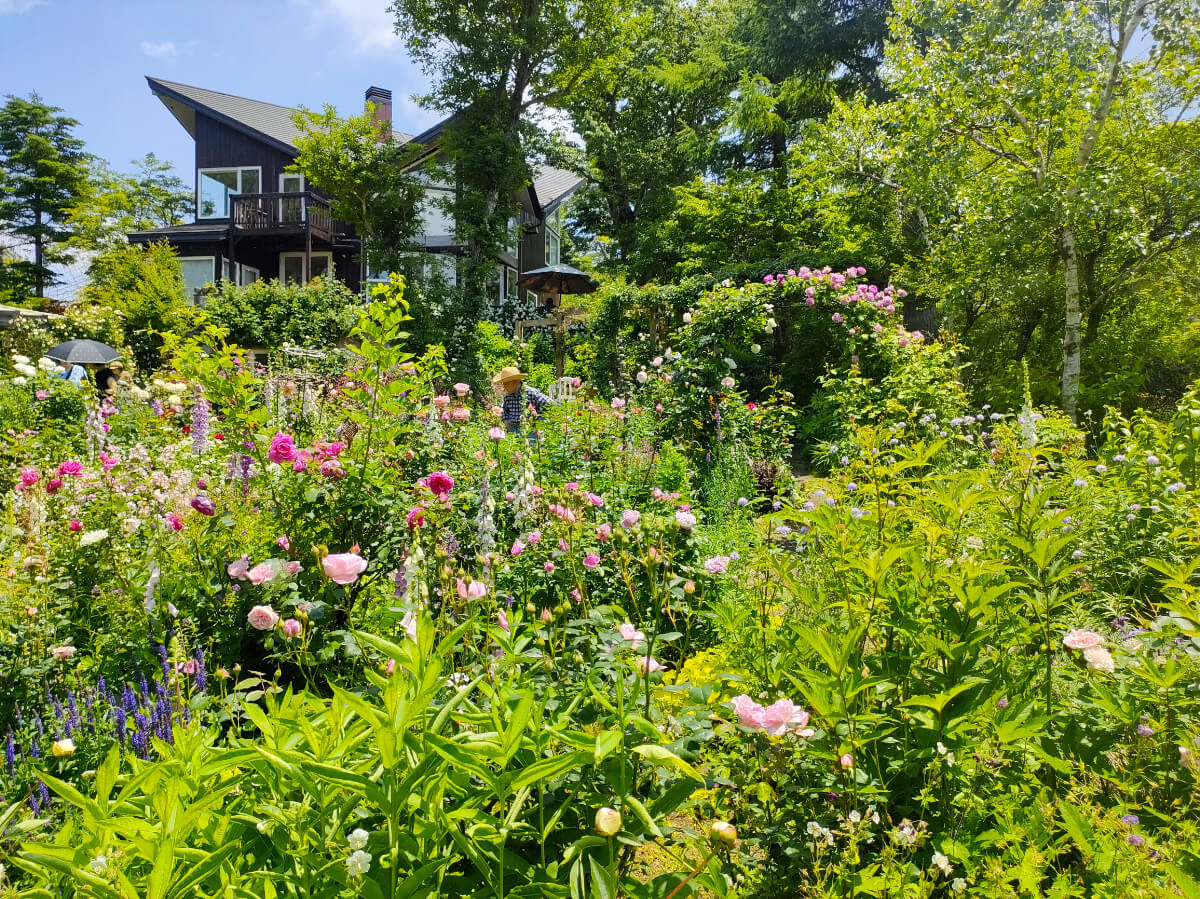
(382, 99)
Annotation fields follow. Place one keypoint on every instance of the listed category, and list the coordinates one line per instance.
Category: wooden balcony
(282, 213)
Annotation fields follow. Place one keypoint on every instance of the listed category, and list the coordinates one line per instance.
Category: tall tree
(1011, 135)
(114, 204)
(492, 63)
(42, 176)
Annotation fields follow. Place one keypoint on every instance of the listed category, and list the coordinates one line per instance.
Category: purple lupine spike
(199, 424)
(164, 658)
(44, 794)
(72, 711)
(34, 805)
(247, 461)
(129, 700)
(10, 754)
(38, 726)
(64, 724)
(201, 674)
(144, 688)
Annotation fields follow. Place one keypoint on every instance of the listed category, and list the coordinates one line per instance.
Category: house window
(553, 246)
(510, 283)
(291, 266)
(247, 274)
(531, 298)
(291, 209)
(214, 187)
(198, 273)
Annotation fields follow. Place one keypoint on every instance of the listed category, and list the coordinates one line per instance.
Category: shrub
(271, 313)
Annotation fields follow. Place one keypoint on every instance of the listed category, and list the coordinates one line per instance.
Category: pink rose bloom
(261, 573)
(262, 618)
(536, 490)
(62, 653)
(70, 468)
(749, 712)
(496, 433)
(75, 526)
(781, 716)
(29, 476)
(333, 449)
(343, 568)
(1099, 659)
(535, 537)
(282, 448)
(604, 532)
(632, 634)
(441, 401)
(846, 761)
(238, 569)
(716, 565)
(1081, 639)
(549, 566)
(292, 628)
(571, 485)
(440, 484)
(293, 567)
(595, 500)
(502, 620)
(576, 595)
(175, 522)
(649, 665)
(332, 468)
(460, 414)
(416, 518)
(517, 548)
(462, 389)
(54, 485)
(629, 518)
(591, 560)
(42, 394)
(301, 462)
(618, 403)
(284, 543)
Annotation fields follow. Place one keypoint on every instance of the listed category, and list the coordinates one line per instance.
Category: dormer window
(214, 187)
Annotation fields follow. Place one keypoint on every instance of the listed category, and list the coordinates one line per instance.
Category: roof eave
(161, 90)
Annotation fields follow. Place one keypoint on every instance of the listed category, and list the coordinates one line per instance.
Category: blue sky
(91, 57)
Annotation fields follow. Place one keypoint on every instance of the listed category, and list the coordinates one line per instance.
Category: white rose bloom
(358, 838)
(27, 370)
(642, 377)
(47, 364)
(958, 885)
(755, 348)
(687, 318)
(129, 525)
(19, 381)
(20, 360)
(730, 364)
(99, 864)
(91, 537)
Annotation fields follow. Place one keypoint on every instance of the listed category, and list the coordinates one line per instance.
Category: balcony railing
(282, 212)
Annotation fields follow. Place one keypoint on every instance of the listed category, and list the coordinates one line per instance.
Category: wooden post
(307, 247)
(232, 238)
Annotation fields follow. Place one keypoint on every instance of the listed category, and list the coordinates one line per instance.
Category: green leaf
(606, 743)
(550, 769)
(661, 755)
(604, 882)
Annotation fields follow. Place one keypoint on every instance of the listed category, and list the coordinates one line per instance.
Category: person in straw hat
(517, 396)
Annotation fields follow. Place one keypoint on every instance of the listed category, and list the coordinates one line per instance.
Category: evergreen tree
(43, 173)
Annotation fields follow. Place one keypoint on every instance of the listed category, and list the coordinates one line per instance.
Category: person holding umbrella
(69, 371)
(107, 378)
(516, 397)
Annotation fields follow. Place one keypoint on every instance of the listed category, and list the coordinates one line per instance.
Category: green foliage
(115, 204)
(42, 176)
(146, 286)
(271, 313)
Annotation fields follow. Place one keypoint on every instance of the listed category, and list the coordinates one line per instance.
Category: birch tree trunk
(1071, 335)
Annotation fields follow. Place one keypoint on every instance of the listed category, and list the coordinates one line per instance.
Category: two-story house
(254, 219)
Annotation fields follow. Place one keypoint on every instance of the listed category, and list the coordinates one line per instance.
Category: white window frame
(329, 271)
(531, 297)
(550, 232)
(242, 269)
(510, 283)
(283, 190)
(212, 270)
(224, 168)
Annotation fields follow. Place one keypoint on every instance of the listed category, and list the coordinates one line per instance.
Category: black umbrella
(83, 352)
(558, 279)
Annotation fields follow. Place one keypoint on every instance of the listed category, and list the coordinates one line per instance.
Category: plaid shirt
(513, 407)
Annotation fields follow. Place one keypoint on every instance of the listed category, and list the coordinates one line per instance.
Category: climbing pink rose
(440, 484)
(238, 568)
(70, 468)
(649, 665)
(629, 518)
(61, 653)
(292, 628)
(591, 560)
(496, 433)
(263, 618)
(261, 573)
(632, 634)
(462, 389)
(749, 712)
(1081, 639)
(344, 568)
(781, 716)
(282, 448)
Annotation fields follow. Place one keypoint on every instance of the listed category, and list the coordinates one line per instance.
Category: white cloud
(16, 7)
(366, 22)
(159, 51)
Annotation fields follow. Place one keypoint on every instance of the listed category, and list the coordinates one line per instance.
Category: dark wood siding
(218, 146)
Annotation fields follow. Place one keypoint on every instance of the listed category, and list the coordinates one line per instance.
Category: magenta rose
(282, 448)
(204, 505)
(440, 484)
(343, 568)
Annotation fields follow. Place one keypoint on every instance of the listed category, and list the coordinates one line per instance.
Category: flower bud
(608, 821)
(723, 832)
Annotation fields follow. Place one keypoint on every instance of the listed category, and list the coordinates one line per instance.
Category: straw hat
(508, 373)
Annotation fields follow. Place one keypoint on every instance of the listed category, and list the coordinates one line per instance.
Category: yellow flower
(63, 748)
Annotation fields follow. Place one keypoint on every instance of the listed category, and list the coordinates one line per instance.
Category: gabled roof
(266, 121)
(551, 187)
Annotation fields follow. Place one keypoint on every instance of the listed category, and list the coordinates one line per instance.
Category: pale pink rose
(535, 537)
(293, 567)
(1080, 639)
(441, 401)
(591, 560)
(460, 414)
(749, 712)
(238, 568)
(632, 634)
(343, 568)
(1099, 658)
(263, 618)
(846, 761)
(716, 565)
(284, 543)
(462, 389)
(517, 548)
(648, 665)
(61, 653)
(261, 573)
(496, 433)
(629, 518)
(604, 532)
(292, 628)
